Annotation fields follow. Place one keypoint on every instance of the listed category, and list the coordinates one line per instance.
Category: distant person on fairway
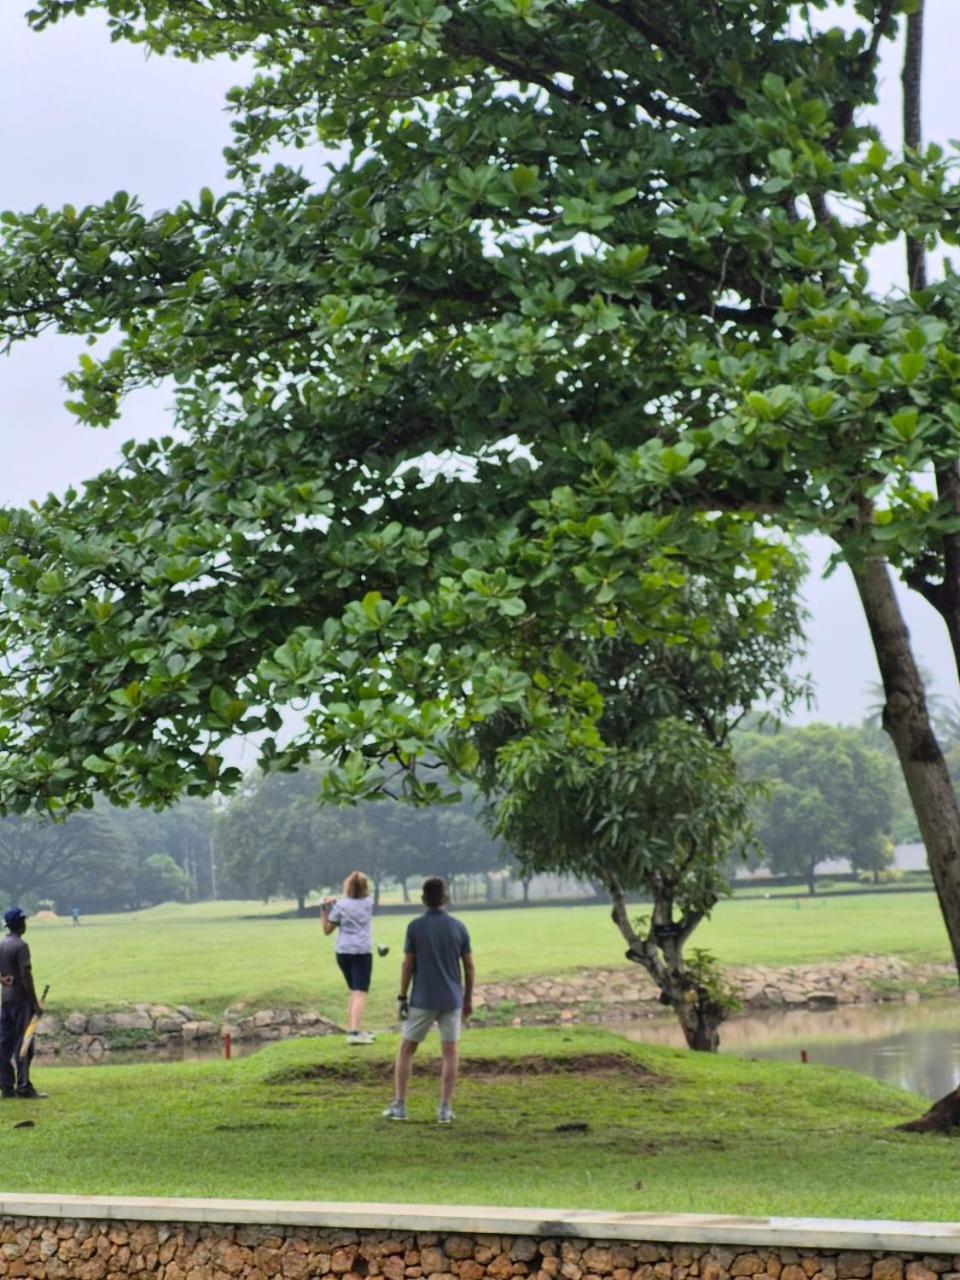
(75, 915)
(436, 947)
(353, 916)
(18, 1004)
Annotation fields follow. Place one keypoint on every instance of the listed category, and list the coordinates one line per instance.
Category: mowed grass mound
(546, 1118)
(212, 955)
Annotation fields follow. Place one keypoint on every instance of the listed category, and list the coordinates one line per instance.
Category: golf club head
(382, 951)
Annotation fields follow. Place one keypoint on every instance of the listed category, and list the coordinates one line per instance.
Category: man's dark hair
(434, 891)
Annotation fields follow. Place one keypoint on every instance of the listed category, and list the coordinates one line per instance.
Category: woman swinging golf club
(352, 915)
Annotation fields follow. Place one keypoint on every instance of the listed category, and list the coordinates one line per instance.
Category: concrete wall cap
(679, 1228)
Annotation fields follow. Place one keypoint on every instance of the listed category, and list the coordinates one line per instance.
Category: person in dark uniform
(18, 1004)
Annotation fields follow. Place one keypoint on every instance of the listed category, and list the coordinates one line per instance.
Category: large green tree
(829, 797)
(182, 832)
(44, 859)
(611, 257)
(662, 811)
(276, 835)
(274, 838)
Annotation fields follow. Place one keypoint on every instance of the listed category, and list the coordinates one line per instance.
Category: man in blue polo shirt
(436, 947)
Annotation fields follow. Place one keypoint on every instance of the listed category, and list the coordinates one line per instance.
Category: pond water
(915, 1047)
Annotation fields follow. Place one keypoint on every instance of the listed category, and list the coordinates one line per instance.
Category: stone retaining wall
(627, 992)
(93, 1035)
(63, 1247)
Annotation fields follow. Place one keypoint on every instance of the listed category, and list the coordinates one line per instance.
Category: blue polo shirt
(437, 942)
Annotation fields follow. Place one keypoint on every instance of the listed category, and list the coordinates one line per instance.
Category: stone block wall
(627, 992)
(149, 1026)
(51, 1248)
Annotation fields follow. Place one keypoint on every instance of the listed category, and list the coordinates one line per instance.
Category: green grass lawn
(665, 1131)
(212, 955)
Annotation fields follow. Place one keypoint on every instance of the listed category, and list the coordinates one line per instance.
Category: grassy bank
(653, 1129)
(214, 955)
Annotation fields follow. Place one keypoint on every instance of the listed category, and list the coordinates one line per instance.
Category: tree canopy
(53, 860)
(830, 797)
(474, 279)
(566, 303)
(662, 811)
(276, 836)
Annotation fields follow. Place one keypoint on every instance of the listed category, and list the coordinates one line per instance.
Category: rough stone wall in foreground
(61, 1249)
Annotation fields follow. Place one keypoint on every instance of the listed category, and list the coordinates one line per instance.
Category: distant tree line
(273, 838)
(108, 859)
(827, 794)
(832, 793)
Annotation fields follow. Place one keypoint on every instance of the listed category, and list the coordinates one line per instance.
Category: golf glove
(403, 1007)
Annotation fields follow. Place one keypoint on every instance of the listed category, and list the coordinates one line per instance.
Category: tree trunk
(699, 1012)
(907, 721)
(213, 868)
(942, 1117)
(526, 890)
(405, 890)
(812, 880)
(301, 904)
(190, 871)
(905, 715)
(947, 603)
(700, 1021)
(376, 894)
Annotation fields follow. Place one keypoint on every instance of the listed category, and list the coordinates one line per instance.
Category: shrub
(890, 875)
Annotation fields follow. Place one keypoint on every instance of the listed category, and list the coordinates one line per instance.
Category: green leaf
(96, 764)
(912, 364)
(524, 179)
(819, 407)
(759, 406)
(226, 707)
(511, 607)
(905, 423)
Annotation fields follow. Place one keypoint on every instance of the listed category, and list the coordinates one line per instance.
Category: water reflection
(205, 1051)
(915, 1047)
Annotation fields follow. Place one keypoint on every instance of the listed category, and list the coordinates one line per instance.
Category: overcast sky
(81, 118)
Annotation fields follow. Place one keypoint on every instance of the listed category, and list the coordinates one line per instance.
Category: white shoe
(359, 1037)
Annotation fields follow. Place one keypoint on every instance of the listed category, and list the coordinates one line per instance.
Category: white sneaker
(395, 1111)
(445, 1114)
(359, 1037)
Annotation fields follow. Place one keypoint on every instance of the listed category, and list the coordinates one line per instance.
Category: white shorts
(419, 1021)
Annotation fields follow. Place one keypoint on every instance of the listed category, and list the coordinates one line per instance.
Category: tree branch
(641, 950)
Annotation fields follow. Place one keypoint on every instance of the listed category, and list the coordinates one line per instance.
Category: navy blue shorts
(356, 970)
